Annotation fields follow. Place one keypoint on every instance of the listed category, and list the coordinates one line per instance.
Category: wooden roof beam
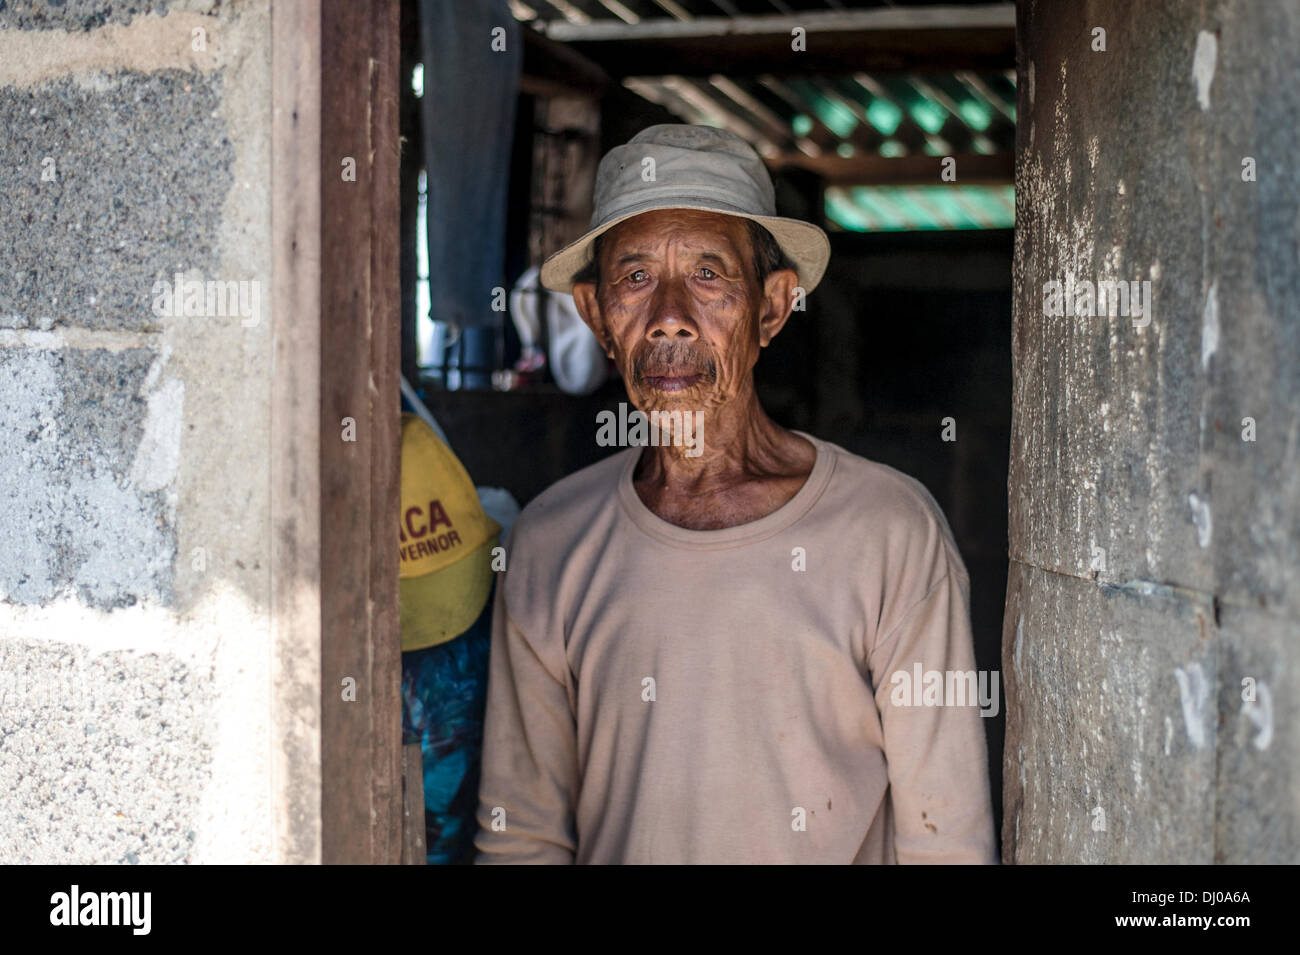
(919, 170)
(885, 39)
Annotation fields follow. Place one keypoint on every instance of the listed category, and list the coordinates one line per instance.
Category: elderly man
(697, 654)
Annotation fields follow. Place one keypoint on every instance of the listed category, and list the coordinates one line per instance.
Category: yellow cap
(445, 541)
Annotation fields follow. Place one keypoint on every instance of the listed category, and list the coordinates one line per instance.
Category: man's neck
(748, 467)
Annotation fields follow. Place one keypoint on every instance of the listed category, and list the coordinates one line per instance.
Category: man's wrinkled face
(680, 306)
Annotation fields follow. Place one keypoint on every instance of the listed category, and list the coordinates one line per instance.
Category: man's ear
(584, 297)
(778, 300)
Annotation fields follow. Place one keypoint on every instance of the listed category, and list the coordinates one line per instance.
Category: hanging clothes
(473, 50)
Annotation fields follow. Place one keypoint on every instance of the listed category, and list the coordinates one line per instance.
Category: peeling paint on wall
(159, 453)
(1203, 63)
(1194, 695)
(1210, 326)
(1201, 518)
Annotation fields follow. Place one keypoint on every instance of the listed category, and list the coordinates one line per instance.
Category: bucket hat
(680, 166)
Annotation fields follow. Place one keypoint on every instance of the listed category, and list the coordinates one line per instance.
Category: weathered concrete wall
(136, 708)
(1152, 695)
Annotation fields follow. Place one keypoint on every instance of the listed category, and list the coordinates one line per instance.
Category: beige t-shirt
(665, 695)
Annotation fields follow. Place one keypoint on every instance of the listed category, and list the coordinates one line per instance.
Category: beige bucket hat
(695, 167)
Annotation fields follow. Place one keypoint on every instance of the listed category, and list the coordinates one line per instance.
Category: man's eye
(633, 277)
(707, 273)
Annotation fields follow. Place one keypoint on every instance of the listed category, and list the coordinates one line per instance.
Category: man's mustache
(673, 360)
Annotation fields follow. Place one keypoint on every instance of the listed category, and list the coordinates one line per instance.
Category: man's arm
(937, 755)
(530, 764)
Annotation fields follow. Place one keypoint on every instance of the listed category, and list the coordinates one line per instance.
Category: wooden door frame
(336, 720)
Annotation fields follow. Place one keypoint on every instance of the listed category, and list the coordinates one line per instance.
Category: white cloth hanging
(578, 364)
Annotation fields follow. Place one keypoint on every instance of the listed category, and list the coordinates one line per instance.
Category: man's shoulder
(890, 502)
(884, 488)
(572, 502)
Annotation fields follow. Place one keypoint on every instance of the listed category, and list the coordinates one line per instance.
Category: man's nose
(670, 314)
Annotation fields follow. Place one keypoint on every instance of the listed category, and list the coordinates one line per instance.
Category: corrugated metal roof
(851, 116)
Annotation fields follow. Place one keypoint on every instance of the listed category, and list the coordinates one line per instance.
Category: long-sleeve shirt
(658, 694)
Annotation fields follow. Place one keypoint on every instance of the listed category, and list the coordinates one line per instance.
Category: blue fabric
(444, 692)
(470, 93)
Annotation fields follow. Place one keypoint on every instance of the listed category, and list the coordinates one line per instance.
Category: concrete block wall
(1152, 631)
(135, 627)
